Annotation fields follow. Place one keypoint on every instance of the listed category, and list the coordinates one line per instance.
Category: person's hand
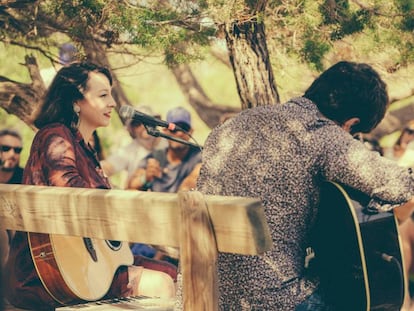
(153, 170)
(134, 277)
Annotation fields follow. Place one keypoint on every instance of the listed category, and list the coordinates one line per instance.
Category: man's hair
(347, 90)
(9, 132)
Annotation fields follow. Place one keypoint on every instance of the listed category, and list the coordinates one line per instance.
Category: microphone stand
(156, 133)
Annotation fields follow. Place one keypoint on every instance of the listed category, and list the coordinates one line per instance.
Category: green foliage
(407, 53)
(407, 8)
(344, 21)
(334, 11)
(312, 30)
(313, 52)
(355, 22)
(155, 26)
(87, 12)
(179, 28)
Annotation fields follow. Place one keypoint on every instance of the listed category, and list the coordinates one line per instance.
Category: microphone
(128, 112)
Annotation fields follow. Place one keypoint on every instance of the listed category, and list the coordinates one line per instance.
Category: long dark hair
(347, 90)
(67, 87)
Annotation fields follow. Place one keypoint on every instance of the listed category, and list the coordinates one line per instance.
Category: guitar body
(357, 253)
(75, 269)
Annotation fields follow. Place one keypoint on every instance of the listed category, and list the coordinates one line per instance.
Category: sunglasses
(409, 131)
(6, 148)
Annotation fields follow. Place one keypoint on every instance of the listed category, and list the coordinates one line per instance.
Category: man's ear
(348, 124)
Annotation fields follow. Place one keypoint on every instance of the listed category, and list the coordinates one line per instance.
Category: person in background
(283, 155)
(128, 157)
(68, 53)
(11, 145)
(78, 102)
(171, 169)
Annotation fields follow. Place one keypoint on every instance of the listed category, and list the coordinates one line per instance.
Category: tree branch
(211, 113)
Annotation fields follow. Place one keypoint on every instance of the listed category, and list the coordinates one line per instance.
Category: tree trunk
(22, 99)
(250, 60)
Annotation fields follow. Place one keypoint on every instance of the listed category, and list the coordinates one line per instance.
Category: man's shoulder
(160, 155)
(193, 157)
(194, 152)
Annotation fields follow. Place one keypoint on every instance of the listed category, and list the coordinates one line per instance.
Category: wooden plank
(198, 254)
(145, 217)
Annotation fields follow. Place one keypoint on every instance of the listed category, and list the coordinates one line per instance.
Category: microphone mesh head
(126, 112)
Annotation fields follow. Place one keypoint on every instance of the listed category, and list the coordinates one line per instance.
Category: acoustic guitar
(357, 252)
(75, 269)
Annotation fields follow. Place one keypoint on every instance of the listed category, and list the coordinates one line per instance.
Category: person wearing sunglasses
(10, 173)
(10, 149)
(175, 167)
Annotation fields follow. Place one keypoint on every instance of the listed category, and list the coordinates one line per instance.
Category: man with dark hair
(10, 148)
(283, 154)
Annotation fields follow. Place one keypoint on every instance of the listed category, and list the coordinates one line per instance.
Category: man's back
(282, 154)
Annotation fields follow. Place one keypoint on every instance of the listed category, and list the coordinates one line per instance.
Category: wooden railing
(200, 225)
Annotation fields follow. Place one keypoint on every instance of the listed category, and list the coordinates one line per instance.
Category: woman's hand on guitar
(150, 283)
(134, 277)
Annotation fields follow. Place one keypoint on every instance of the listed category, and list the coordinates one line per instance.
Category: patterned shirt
(61, 158)
(282, 154)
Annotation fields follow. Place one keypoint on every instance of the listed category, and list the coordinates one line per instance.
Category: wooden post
(198, 254)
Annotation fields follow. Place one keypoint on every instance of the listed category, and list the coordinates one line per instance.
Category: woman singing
(78, 102)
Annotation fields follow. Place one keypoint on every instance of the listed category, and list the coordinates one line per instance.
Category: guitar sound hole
(114, 245)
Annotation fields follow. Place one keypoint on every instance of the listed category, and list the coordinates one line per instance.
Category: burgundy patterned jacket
(58, 157)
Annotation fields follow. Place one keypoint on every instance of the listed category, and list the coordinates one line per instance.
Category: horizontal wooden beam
(146, 217)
